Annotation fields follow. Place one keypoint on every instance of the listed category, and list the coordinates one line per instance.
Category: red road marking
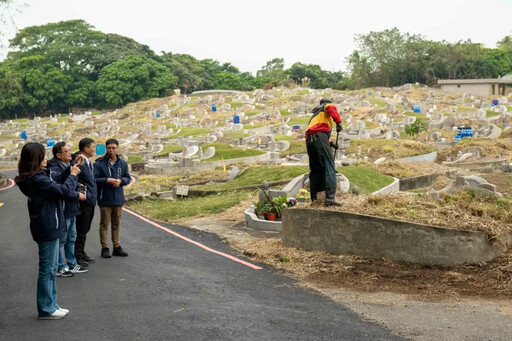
(255, 267)
(10, 186)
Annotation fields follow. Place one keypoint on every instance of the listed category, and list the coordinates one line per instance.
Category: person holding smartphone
(57, 166)
(47, 223)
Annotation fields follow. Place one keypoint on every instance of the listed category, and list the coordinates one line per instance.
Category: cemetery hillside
(206, 160)
(265, 170)
(423, 168)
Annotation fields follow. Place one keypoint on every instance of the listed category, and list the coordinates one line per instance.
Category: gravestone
(233, 172)
(272, 146)
(209, 153)
(190, 151)
(282, 146)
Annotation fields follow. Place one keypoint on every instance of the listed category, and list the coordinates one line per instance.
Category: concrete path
(170, 287)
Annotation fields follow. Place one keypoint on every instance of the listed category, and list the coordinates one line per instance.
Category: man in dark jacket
(87, 148)
(56, 167)
(111, 173)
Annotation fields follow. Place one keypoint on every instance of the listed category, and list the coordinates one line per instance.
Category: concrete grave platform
(346, 233)
(252, 221)
(484, 166)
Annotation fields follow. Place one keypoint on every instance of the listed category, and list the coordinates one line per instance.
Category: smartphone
(80, 160)
(82, 189)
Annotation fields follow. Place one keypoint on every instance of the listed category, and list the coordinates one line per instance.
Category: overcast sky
(249, 33)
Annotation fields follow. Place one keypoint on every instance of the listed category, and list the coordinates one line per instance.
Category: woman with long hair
(47, 223)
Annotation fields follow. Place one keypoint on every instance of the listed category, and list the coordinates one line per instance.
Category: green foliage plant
(278, 204)
(417, 127)
(262, 207)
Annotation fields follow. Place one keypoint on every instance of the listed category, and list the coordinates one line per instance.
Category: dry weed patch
(402, 170)
(390, 149)
(491, 149)
(466, 210)
(325, 271)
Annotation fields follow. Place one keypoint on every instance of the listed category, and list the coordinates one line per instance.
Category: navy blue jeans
(46, 284)
(67, 245)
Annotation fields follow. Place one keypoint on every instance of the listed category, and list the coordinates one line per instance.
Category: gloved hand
(338, 127)
(334, 145)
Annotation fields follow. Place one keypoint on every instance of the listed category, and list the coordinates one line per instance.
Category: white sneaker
(77, 270)
(57, 315)
(65, 311)
(64, 273)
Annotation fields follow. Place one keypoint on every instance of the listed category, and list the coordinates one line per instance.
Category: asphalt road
(168, 288)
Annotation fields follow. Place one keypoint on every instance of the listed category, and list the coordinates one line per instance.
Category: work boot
(330, 197)
(314, 196)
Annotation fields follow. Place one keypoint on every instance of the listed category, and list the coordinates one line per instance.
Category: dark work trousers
(321, 163)
(83, 225)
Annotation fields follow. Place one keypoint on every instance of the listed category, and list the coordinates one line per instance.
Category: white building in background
(500, 86)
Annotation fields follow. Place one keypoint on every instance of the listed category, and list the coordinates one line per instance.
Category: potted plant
(278, 204)
(261, 209)
(272, 215)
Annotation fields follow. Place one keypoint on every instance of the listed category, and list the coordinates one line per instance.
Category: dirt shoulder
(418, 302)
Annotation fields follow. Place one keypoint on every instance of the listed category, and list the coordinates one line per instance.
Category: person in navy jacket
(47, 223)
(111, 173)
(87, 148)
(59, 166)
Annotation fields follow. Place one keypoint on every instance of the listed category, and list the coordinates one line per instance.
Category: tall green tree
(75, 47)
(505, 45)
(227, 81)
(317, 77)
(272, 73)
(132, 79)
(390, 58)
(495, 63)
(379, 55)
(11, 91)
(189, 71)
(44, 85)
(271, 68)
(211, 68)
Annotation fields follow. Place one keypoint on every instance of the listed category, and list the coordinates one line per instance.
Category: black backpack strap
(317, 110)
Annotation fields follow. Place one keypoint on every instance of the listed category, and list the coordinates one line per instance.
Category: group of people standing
(62, 195)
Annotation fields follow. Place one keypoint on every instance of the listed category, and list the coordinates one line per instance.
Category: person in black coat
(57, 167)
(47, 222)
(111, 173)
(87, 148)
